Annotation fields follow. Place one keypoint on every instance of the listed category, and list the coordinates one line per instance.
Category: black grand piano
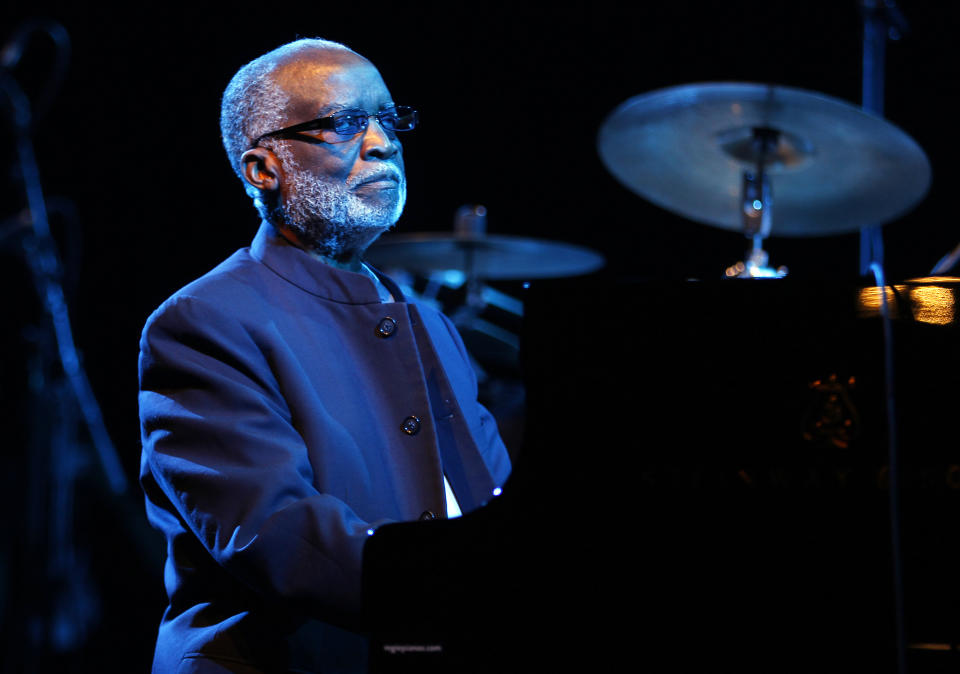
(734, 475)
(698, 501)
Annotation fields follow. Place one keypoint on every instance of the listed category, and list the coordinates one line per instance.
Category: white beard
(330, 218)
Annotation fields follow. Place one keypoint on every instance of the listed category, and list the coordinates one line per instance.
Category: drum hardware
(470, 222)
(482, 256)
(757, 202)
(946, 263)
(469, 256)
(451, 270)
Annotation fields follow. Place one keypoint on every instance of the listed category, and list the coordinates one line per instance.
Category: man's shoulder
(234, 284)
(231, 277)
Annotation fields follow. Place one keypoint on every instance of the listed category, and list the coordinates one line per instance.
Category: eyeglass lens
(350, 122)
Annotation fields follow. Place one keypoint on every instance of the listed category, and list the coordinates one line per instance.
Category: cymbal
(494, 257)
(835, 168)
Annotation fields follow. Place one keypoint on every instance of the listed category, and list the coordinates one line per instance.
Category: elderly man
(293, 399)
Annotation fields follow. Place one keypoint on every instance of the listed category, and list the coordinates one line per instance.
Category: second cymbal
(493, 257)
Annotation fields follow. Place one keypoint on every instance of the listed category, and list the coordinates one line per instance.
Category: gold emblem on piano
(833, 421)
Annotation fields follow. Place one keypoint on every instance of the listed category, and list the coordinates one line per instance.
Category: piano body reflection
(704, 482)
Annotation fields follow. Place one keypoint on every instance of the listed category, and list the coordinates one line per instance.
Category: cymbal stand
(757, 210)
(470, 226)
(470, 222)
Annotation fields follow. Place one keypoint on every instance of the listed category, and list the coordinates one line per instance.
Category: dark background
(511, 98)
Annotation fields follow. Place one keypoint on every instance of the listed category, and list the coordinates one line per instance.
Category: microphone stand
(44, 263)
(61, 605)
(882, 20)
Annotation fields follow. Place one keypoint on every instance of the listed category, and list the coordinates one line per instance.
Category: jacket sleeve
(222, 456)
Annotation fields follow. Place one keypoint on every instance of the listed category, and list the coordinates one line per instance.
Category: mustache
(384, 173)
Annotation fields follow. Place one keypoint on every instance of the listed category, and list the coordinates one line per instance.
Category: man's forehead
(315, 61)
(327, 78)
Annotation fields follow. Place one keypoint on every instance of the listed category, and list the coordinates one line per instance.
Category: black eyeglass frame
(329, 123)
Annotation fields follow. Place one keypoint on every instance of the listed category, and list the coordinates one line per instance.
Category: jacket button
(410, 425)
(428, 515)
(386, 327)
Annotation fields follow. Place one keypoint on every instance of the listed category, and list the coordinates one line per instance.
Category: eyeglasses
(344, 125)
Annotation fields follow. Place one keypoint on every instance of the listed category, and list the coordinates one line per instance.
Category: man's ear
(261, 169)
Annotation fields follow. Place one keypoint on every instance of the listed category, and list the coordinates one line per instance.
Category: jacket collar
(310, 274)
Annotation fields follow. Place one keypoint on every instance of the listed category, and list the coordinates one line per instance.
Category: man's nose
(378, 142)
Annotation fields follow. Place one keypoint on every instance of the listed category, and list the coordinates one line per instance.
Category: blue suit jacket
(271, 411)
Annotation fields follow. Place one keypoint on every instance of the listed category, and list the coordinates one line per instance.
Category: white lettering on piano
(393, 649)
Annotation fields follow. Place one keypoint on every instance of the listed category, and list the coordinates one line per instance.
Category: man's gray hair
(253, 103)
